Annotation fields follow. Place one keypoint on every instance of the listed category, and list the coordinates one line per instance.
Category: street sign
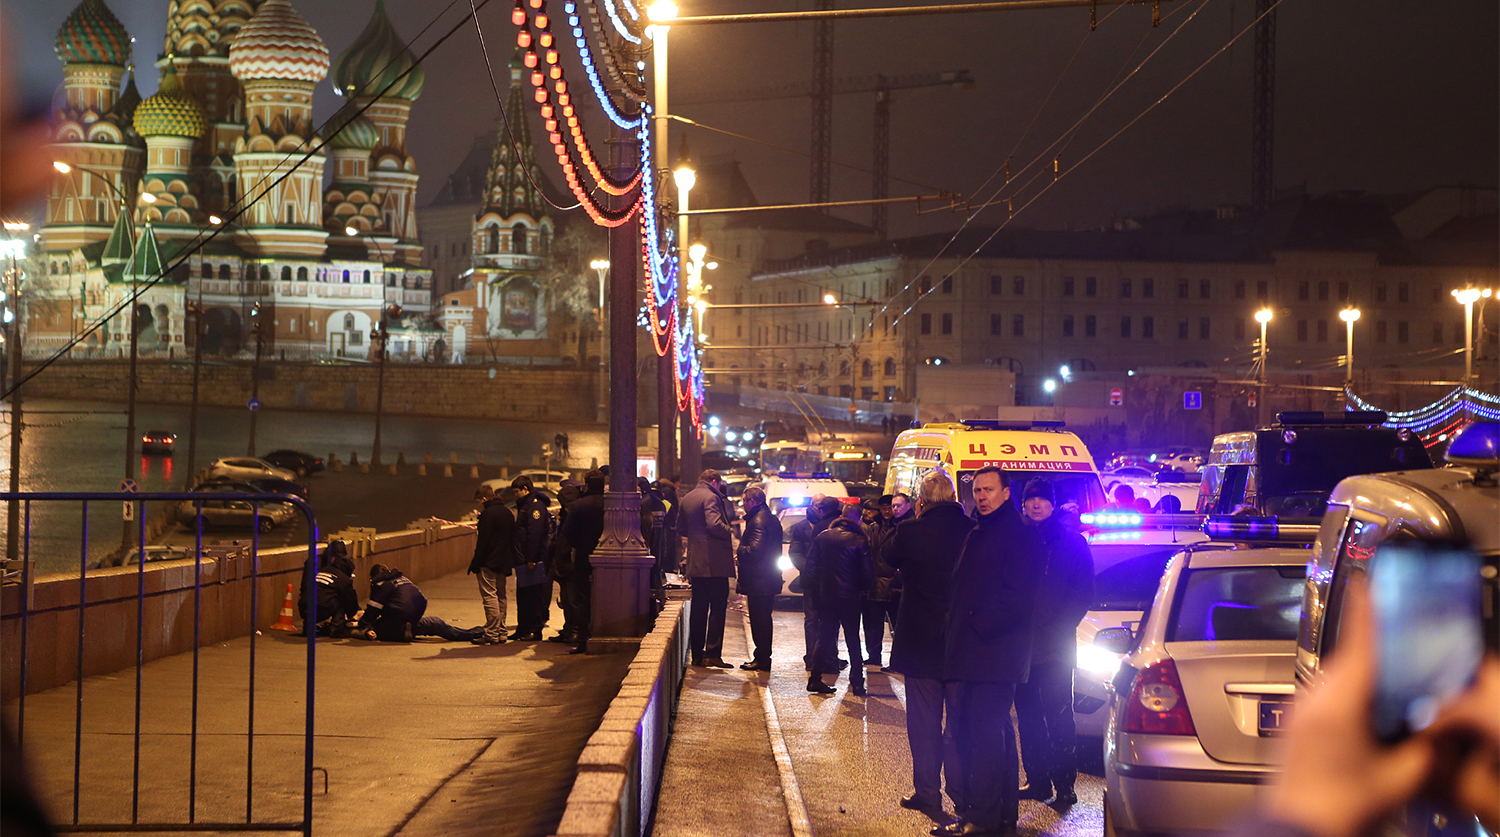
(128, 486)
(1253, 402)
(853, 408)
(1116, 397)
(253, 404)
(129, 512)
(1192, 400)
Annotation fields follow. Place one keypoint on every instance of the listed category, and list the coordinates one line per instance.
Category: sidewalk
(848, 763)
(424, 738)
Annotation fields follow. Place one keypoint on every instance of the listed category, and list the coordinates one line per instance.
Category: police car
(788, 494)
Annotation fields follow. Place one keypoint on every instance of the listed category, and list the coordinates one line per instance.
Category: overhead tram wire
(1111, 138)
(994, 199)
(1039, 157)
(510, 130)
(204, 237)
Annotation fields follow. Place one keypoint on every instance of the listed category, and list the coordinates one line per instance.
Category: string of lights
(1440, 420)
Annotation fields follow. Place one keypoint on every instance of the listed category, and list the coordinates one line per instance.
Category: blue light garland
(585, 55)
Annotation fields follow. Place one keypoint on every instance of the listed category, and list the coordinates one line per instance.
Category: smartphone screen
(1427, 603)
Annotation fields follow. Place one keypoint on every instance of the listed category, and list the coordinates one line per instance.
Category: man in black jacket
(533, 538)
(1044, 703)
(821, 512)
(582, 531)
(397, 611)
(839, 575)
(560, 563)
(882, 601)
(333, 587)
(987, 652)
(759, 577)
(925, 550)
(494, 555)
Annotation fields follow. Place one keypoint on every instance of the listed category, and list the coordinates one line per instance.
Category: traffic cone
(287, 612)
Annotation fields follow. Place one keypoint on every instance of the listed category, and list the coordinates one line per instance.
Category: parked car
(1205, 688)
(158, 441)
(260, 485)
(247, 468)
(157, 553)
(232, 513)
(296, 461)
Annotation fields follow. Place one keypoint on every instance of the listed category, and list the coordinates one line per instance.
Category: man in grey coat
(705, 520)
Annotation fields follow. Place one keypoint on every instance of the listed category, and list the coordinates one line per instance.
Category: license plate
(1275, 715)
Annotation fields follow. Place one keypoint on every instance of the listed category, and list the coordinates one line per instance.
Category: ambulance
(1023, 450)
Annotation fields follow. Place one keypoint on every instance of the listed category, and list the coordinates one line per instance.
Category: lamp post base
(622, 571)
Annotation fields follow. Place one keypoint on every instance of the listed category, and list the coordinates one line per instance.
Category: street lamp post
(1467, 297)
(383, 332)
(13, 344)
(659, 14)
(601, 402)
(194, 310)
(1263, 316)
(692, 446)
(255, 376)
(1349, 316)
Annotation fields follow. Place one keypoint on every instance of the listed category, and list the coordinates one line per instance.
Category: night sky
(1371, 95)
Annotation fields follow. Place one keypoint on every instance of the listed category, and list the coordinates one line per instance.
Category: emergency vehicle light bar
(1141, 520)
(993, 424)
(1243, 528)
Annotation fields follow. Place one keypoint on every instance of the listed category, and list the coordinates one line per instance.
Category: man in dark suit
(925, 549)
(759, 577)
(582, 531)
(705, 521)
(1044, 703)
(987, 652)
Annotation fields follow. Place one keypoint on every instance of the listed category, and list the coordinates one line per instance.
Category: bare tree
(573, 285)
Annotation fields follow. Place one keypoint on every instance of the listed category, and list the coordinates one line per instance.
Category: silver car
(1205, 687)
(240, 514)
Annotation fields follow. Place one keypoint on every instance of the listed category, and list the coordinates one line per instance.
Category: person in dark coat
(337, 600)
(397, 611)
(582, 530)
(335, 555)
(759, 576)
(987, 651)
(925, 549)
(494, 555)
(839, 576)
(534, 529)
(705, 521)
(560, 563)
(881, 603)
(820, 513)
(1044, 703)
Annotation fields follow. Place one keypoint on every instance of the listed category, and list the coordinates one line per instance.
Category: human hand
(1472, 721)
(1339, 780)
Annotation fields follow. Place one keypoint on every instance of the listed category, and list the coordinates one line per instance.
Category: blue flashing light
(1479, 443)
(1111, 519)
(796, 500)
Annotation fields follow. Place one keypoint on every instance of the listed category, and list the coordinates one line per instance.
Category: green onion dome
(346, 130)
(172, 111)
(376, 60)
(93, 35)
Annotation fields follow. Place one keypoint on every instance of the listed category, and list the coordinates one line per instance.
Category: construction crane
(882, 87)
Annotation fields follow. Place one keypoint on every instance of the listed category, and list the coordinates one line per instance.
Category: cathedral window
(348, 322)
(291, 213)
(286, 273)
(367, 277)
(518, 239)
(493, 233)
(224, 274)
(301, 274)
(346, 277)
(208, 271)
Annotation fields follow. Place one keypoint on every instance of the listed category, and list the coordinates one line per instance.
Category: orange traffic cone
(287, 612)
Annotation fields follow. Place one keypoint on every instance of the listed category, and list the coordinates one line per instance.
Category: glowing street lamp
(1263, 316)
(1467, 297)
(1349, 316)
(830, 299)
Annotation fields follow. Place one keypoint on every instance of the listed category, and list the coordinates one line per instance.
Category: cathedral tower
(171, 122)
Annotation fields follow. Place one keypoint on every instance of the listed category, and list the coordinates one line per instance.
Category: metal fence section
(171, 787)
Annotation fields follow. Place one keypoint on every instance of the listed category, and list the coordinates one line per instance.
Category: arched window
(843, 367)
(367, 277)
(286, 273)
(224, 274)
(301, 274)
(518, 239)
(823, 369)
(208, 271)
(265, 273)
(346, 277)
(890, 366)
(348, 322)
(492, 240)
(867, 369)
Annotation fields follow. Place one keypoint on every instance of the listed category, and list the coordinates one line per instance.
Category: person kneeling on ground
(337, 601)
(396, 611)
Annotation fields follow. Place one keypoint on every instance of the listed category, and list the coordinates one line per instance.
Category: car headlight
(784, 563)
(1098, 660)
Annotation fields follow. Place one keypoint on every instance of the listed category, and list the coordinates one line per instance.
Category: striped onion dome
(171, 111)
(376, 60)
(278, 43)
(93, 35)
(346, 130)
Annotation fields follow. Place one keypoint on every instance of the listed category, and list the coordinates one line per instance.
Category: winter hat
(1039, 487)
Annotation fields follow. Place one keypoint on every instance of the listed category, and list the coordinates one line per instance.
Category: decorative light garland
(620, 26)
(1441, 419)
(628, 84)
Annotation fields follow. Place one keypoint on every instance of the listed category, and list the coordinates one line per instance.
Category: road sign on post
(129, 512)
(1116, 397)
(253, 404)
(1192, 400)
(128, 486)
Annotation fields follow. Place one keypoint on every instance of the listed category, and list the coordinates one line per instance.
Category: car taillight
(1157, 705)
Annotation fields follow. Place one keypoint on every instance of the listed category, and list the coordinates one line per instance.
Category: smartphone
(1427, 599)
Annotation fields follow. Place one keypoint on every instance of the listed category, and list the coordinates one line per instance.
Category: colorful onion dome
(172, 111)
(376, 60)
(351, 129)
(93, 35)
(278, 43)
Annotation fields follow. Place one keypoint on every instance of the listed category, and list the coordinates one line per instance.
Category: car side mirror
(1117, 640)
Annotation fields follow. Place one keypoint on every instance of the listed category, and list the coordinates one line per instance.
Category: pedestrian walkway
(849, 763)
(423, 738)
